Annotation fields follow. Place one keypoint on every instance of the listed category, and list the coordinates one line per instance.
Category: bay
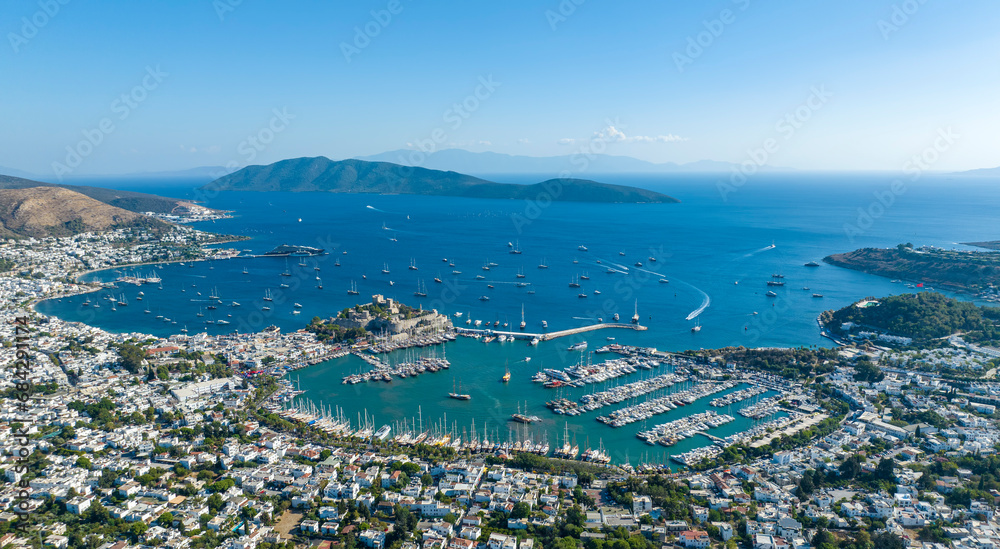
(719, 235)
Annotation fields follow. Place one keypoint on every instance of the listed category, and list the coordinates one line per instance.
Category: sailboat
(697, 327)
(286, 272)
(542, 265)
(421, 289)
(245, 271)
(319, 284)
(385, 268)
(267, 295)
(353, 290)
(635, 317)
(413, 265)
(523, 323)
(456, 395)
(517, 249)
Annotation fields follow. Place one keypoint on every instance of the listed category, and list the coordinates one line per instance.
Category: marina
(738, 396)
(662, 405)
(383, 371)
(668, 434)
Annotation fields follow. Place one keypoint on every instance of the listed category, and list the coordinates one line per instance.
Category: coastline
(76, 277)
(921, 268)
(90, 287)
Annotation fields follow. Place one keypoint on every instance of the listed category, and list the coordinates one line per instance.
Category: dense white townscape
(130, 440)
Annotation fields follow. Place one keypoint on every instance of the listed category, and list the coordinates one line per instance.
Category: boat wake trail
(370, 207)
(755, 252)
(705, 300)
(650, 272)
(621, 268)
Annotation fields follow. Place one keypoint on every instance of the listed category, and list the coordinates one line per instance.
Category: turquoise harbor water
(703, 247)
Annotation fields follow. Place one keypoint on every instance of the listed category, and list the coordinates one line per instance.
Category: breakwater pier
(546, 336)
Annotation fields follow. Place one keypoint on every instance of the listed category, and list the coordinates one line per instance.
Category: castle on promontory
(387, 316)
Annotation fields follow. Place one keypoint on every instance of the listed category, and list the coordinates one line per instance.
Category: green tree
(850, 467)
(887, 540)
(521, 510)
(576, 516)
(215, 503)
(806, 486)
(884, 469)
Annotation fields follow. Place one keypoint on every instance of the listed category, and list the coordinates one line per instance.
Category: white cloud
(566, 141)
(613, 134)
(610, 133)
(482, 142)
(524, 141)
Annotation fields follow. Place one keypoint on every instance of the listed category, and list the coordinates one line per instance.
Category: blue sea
(713, 253)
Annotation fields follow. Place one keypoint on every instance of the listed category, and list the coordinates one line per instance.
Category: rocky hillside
(127, 200)
(55, 211)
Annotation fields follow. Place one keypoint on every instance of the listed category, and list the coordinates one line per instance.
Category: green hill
(922, 316)
(320, 174)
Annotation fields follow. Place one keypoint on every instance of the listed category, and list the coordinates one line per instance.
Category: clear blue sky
(561, 80)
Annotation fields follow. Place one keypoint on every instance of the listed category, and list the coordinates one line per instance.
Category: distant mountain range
(206, 173)
(982, 172)
(360, 176)
(496, 163)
